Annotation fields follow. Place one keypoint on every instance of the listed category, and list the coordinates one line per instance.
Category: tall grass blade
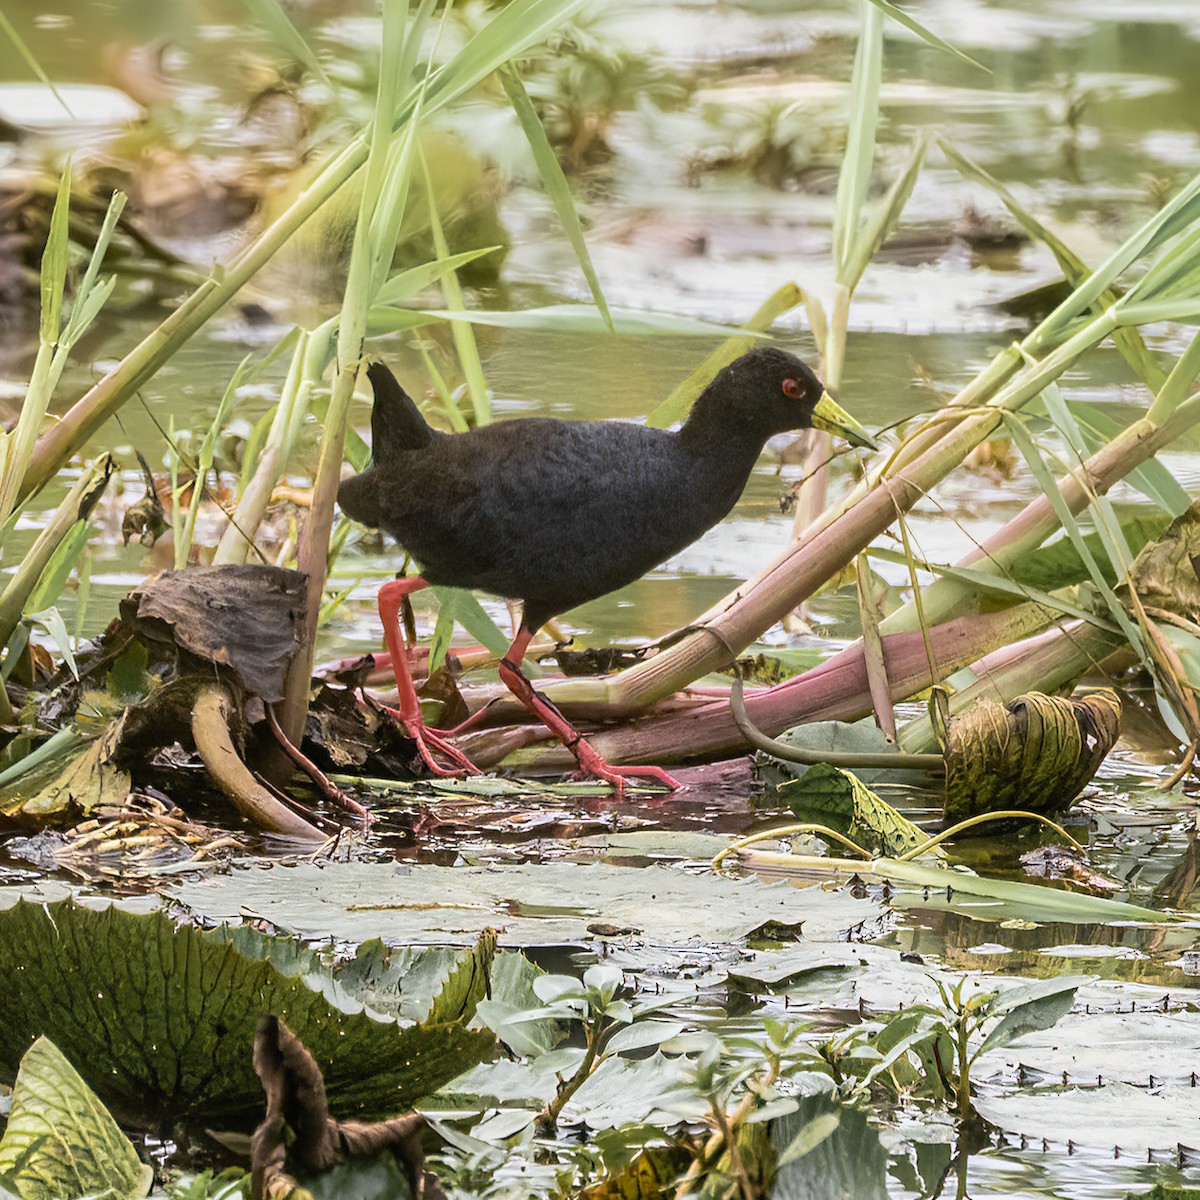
(1045, 479)
(54, 261)
(516, 27)
(271, 16)
(556, 318)
(464, 337)
(859, 157)
(1178, 383)
(1128, 341)
(884, 220)
(554, 181)
(925, 34)
(204, 462)
(31, 62)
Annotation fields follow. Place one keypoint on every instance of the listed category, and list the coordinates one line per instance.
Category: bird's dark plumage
(556, 513)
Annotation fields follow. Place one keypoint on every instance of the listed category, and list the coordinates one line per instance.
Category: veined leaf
(830, 796)
(60, 1139)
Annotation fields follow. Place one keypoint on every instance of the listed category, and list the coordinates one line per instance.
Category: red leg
(591, 763)
(391, 598)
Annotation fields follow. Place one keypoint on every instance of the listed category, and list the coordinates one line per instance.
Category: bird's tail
(396, 422)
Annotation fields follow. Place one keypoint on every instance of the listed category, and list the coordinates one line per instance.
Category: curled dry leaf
(1163, 575)
(244, 619)
(297, 1129)
(1036, 753)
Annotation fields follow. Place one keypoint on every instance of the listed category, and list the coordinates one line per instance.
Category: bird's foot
(427, 741)
(593, 766)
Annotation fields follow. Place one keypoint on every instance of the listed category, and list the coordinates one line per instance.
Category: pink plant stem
(837, 690)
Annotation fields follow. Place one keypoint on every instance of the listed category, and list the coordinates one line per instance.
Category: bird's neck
(715, 430)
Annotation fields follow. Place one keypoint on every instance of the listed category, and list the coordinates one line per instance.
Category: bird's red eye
(792, 388)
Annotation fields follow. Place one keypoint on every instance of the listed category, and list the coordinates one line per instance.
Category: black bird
(555, 513)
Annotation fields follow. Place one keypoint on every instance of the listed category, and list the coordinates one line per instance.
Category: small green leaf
(81, 1150)
(1027, 1009)
(828, 795)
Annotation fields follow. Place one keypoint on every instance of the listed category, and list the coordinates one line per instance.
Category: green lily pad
(161, 1019)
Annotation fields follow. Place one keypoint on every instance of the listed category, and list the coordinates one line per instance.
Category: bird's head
(775, 389)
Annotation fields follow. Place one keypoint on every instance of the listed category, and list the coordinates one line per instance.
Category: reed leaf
(54, 260)
(884, 220)
(997, 585)
(924, 33)
(464, 337)
(1178, 383)
(272, 17)
(31, 61)
(554, 318)
(553, 180)
(1046, 482)
(1128, 341)
(204, 462)
(855, 175)
(1152, 478)
(406, 284)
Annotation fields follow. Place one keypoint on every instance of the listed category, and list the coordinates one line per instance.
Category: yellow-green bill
(833, 418)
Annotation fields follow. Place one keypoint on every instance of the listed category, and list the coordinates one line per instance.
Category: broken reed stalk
(211, 713)
(313, 552)
(705, 732)
(831, 545)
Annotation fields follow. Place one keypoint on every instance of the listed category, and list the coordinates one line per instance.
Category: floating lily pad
(529, 905)
(162, 1019)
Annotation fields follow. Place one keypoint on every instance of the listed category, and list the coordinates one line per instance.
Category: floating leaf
(830, 796)
(60, 1140)
(163, 1019)
(840, 737)
(1036, 753)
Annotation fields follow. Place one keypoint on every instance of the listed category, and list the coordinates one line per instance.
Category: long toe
(428, 741)
(593, 766)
